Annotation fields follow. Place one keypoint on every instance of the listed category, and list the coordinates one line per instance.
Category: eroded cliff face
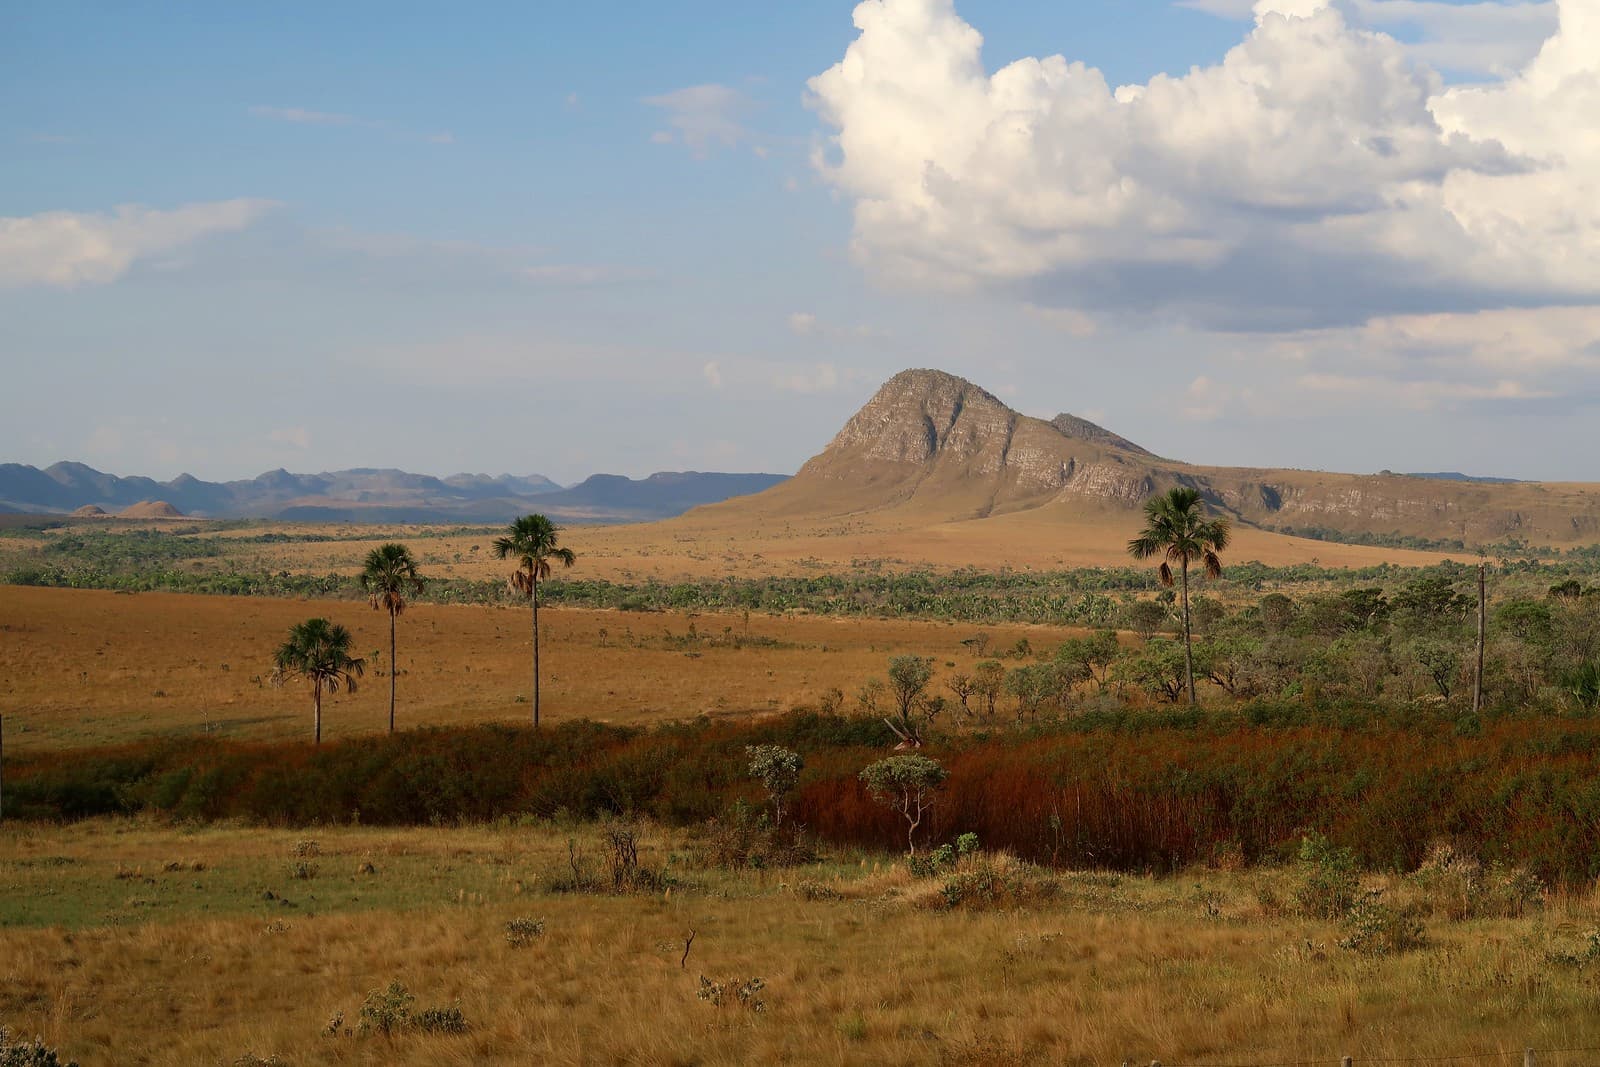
(939, 440)
(933, 429)
(916, 417)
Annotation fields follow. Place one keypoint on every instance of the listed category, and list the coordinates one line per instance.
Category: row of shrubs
(1148, 792)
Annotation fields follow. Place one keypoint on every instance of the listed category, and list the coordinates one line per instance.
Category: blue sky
(634, 237)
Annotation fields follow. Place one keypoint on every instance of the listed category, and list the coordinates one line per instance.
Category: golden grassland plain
(731, 541)
(132, 942)
(705, 544)
(83, 667)
(717, 540)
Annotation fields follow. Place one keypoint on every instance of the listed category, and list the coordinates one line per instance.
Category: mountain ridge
(372, 494)
(930, 447)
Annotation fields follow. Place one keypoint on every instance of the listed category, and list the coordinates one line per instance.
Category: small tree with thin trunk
(908, 679)
(962, 685)
(318, 651)
(531, 542)
(389, 575)
(778, 770)
(1177, 530)
(988, 681)
(908, 784)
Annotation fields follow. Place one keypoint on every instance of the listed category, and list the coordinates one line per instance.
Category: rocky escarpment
(951, 449)
(927, 433)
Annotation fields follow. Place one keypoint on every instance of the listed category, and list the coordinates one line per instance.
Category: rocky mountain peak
(1083, 430)
(919, 414)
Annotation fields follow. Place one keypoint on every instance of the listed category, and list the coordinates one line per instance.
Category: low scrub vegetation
(1117, 790)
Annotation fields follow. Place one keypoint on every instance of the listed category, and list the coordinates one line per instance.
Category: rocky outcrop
(944, 445)
(150, 509)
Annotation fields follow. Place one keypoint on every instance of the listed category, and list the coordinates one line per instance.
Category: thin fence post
(2, 768)
(1528, 1058)
(1348, 1061)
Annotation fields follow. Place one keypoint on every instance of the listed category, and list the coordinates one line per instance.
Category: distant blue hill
(368, 494)
(1457, 476)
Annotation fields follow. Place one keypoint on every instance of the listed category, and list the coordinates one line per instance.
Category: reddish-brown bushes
(1130, 792)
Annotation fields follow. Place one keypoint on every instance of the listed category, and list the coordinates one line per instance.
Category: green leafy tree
(908, 679)
(1440, 660)
(1429, 604)
(1177, 530)
(319, 652)
(778, 770)
(1031, 686)
(1277, 612)
(532, 542)
(1227, 660)
(1145, 617)
(390, 574)
(907, 784)
(1090, 657)
(1160, 668)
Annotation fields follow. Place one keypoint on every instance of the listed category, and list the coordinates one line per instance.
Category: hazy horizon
(1346, 237)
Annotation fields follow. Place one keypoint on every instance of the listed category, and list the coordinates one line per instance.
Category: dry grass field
(731, 540)
(721, 541)
(134, 943)
(81, 667)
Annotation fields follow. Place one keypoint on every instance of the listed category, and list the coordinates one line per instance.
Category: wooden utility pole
(1483, 626)
(2, 767)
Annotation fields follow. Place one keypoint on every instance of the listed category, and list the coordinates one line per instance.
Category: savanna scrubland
(1331, 856)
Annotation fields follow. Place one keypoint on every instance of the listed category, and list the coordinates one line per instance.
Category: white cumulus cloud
(1318, 175)
(68, 248)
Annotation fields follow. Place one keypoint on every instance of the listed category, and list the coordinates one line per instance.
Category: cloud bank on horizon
(1321, 175)
(70, 248)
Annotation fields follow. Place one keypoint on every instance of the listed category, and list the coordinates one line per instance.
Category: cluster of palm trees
(1176, 529)
(319, 651)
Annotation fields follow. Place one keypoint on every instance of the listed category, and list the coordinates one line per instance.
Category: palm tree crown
(1176, 528)
(319, 651)
(531, 542)
(390, 573)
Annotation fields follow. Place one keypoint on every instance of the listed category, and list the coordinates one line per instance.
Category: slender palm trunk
(1188, 644)
(536, 653)
(316, 704)
(392, 670)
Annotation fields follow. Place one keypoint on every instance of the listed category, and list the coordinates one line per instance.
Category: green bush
(1375, 928)
(1328, 880)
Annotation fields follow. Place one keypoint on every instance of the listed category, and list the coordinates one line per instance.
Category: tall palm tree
(319, 651)
(531, 541)
(390, 574)
(1175, 527)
